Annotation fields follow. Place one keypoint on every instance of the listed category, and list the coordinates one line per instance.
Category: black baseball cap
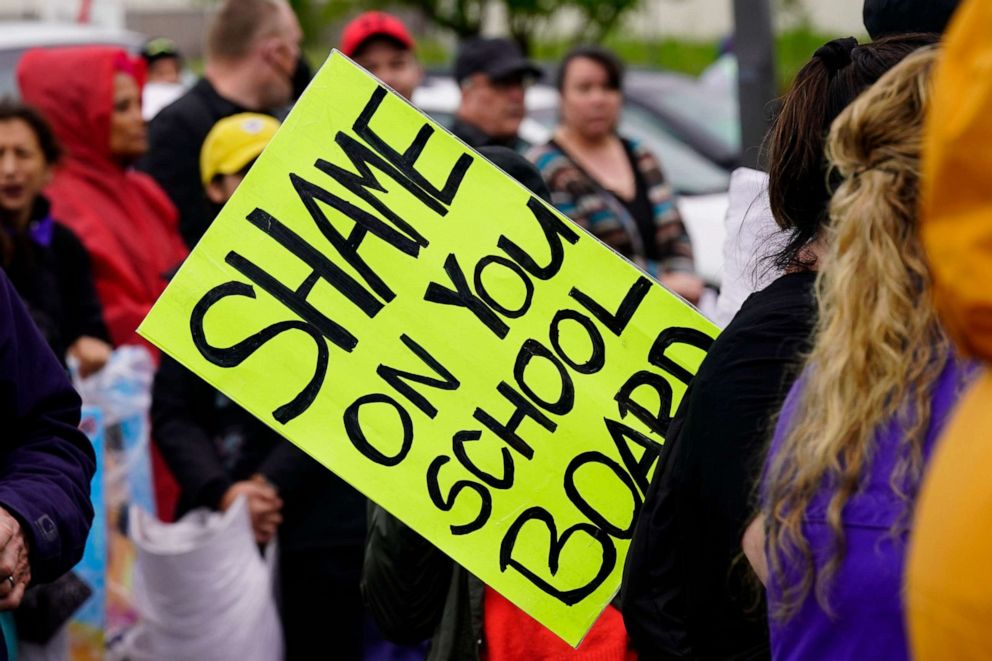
(498, 58)
(888, 17)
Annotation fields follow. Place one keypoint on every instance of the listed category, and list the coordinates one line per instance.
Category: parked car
(705, 115)
(700, 182)
(19, 36)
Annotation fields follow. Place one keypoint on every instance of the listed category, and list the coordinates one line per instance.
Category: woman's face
(128, 136)
(23, 168)
(589, 105)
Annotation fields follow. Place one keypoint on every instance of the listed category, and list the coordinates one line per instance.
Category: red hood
(74, 89)
(126, 222)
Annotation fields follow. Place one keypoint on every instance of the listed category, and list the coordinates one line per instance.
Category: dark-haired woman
(858, 426)
(611, 185)
(126, 222)
(46, 263)
(687, 591)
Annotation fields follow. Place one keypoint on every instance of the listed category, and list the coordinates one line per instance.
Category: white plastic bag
(203, 590)
(123, 387)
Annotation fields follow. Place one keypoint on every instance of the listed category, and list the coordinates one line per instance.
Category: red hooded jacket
(126, 222)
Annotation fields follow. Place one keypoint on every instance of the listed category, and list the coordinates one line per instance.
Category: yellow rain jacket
(949, 575)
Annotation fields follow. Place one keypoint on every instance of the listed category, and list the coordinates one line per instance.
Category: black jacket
(415, 592)
(209, 442)
(46, 463)
(476, 138)
(175, 137)
(687, 591)
(50, 269)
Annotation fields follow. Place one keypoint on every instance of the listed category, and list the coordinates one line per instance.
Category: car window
(711, 111)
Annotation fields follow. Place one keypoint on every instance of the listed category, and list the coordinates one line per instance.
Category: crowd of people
(779, 521)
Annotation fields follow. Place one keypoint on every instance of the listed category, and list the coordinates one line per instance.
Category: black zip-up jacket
(175, 137)
(688, 593)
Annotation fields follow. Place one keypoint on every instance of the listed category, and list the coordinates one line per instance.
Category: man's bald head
(240, 25)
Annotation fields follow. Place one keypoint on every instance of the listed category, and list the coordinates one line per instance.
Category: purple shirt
(866, 593)
(46, 463)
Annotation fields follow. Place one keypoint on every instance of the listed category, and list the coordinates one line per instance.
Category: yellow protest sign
(443, 340)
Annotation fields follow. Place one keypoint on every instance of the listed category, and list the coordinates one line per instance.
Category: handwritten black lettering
(234, 355)
(555, 229)
(617, 321)
(571, 596)
(407, 161)
(677, 335)
(322, 267)
(522, 409)
(446, 504)
(595, 516)
(490, 300)
(639, 469)
(365, 181)
(347, 246)
(353, 427)
(458, 447)
(295, 300)
(597, 355)
(398, 379)
(656, 422)
(566, 392)
(462, 296)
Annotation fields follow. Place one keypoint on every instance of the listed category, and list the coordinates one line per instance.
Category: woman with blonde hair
(686, 594)
(858, 425)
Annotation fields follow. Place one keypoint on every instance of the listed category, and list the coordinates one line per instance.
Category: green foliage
(684, 55)
(526, 18)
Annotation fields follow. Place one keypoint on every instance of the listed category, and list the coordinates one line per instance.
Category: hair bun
(836, 54)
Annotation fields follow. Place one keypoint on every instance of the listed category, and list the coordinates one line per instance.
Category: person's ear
(269, 49)
(215, 192)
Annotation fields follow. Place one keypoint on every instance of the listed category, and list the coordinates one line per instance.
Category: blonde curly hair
(878, 346)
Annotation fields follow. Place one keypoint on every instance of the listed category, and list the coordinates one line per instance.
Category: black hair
(11, 110)
(799, 184)
(606, 58)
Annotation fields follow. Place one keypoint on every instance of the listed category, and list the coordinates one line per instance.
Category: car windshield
(696, 106)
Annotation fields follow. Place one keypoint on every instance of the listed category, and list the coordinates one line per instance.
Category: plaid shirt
(590, 205)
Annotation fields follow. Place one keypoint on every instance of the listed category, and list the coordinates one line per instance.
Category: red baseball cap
(373, 24)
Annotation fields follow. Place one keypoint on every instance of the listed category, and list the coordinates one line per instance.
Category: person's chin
(599, 125)
(132, 154)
